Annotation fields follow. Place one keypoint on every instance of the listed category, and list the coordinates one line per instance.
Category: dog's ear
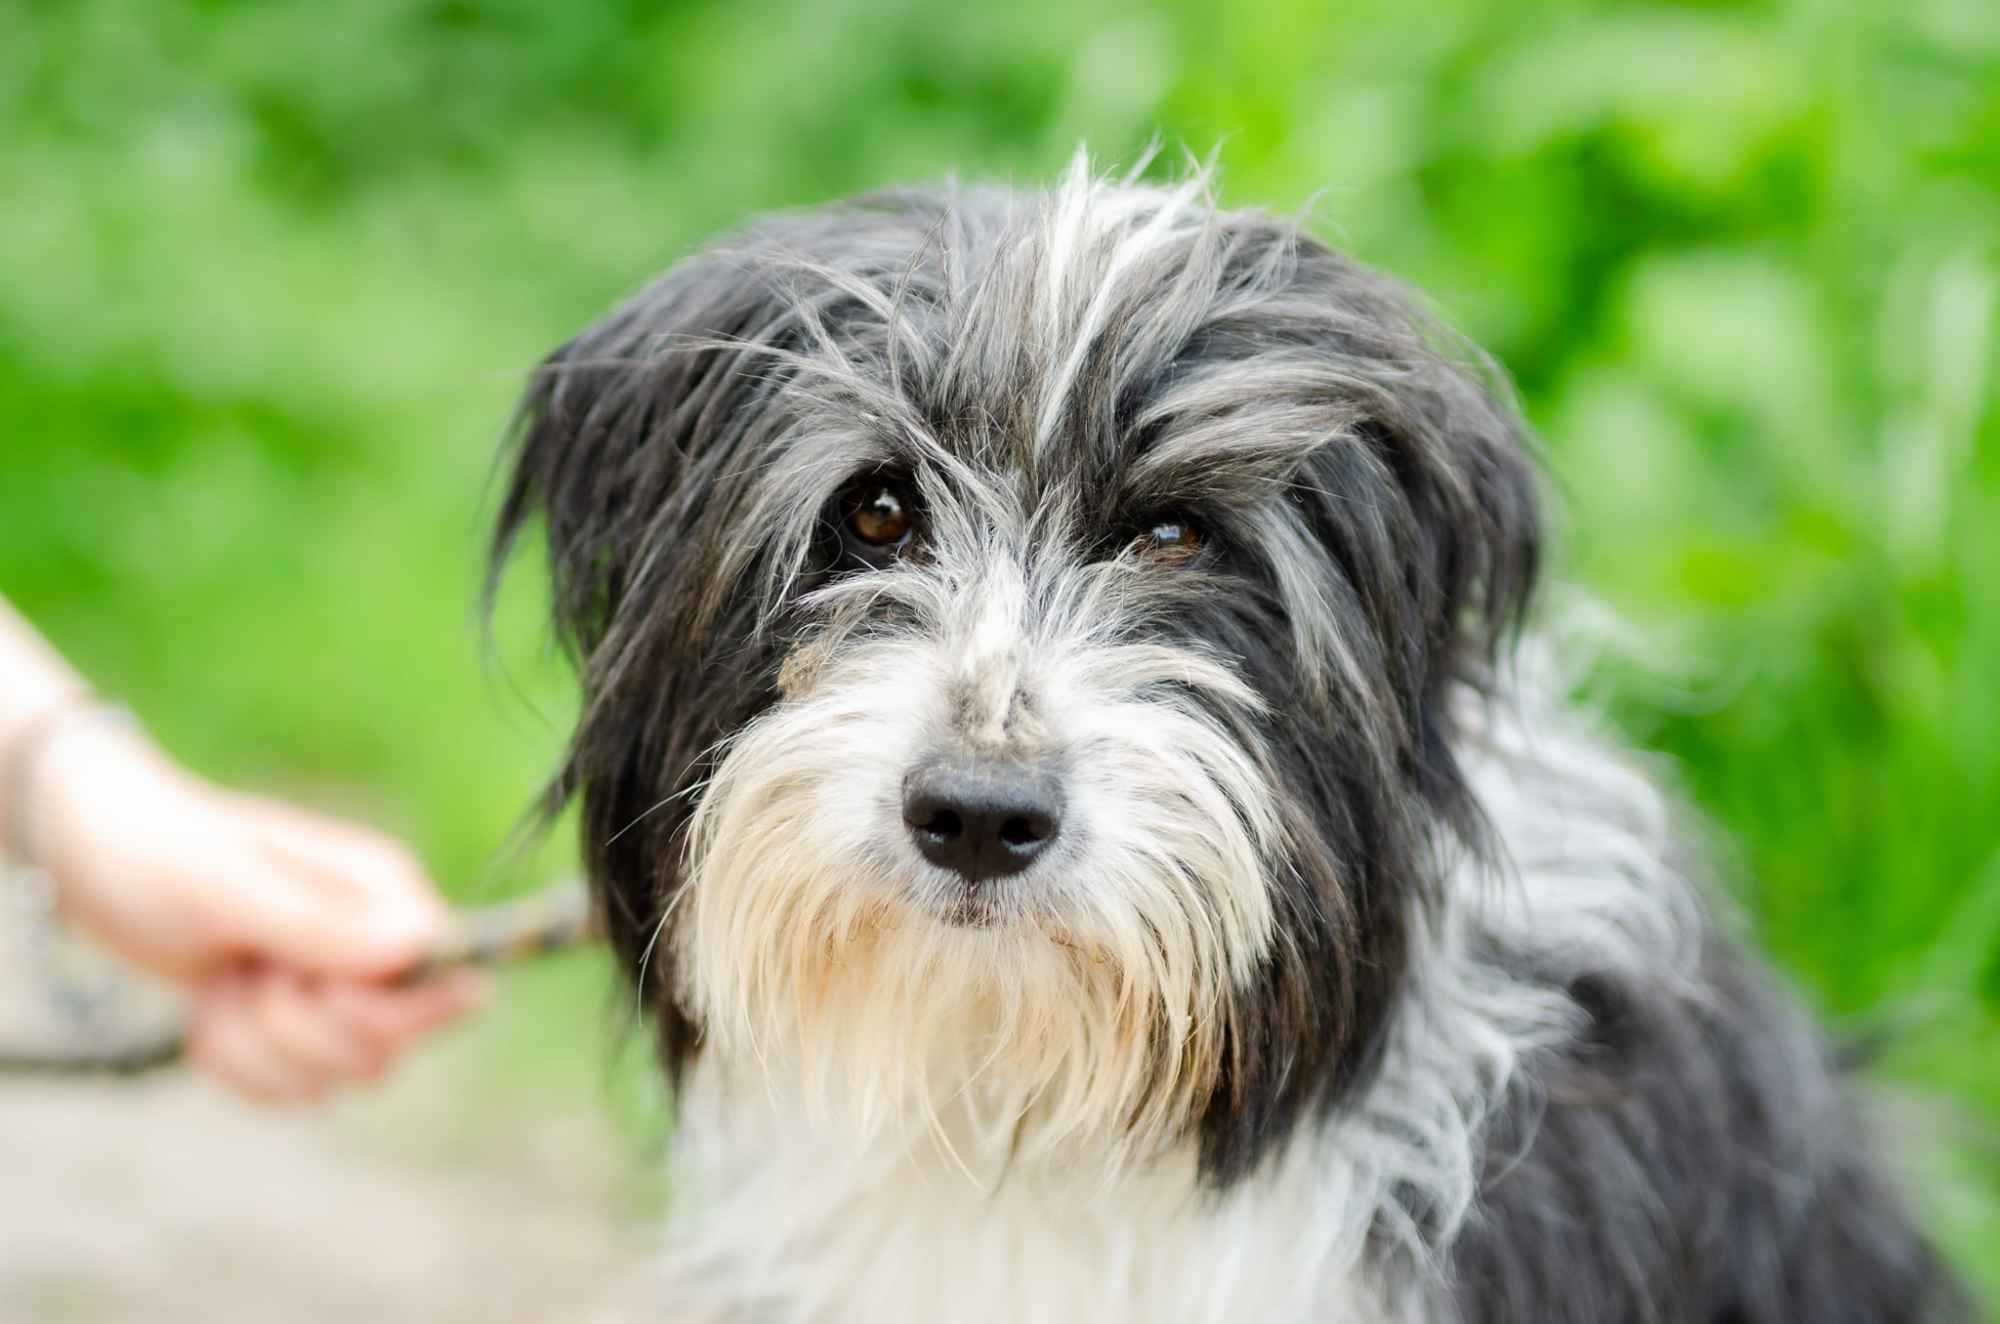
(623, 446)
(1467, 471)
(575, 439)
(624, 428)
(1463, 523)
(1432, 505)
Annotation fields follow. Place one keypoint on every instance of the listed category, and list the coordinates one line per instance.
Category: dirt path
(163, 1201)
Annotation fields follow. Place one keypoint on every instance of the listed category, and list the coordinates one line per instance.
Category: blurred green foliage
(271, 273)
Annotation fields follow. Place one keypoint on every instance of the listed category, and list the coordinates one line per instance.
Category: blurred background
(271, 275)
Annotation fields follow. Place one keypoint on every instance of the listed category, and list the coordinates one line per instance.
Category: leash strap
(67, 1009)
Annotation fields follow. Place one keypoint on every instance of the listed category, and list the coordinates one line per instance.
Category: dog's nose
(982, 819)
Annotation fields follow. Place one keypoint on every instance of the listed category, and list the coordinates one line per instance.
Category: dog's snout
(982, 819)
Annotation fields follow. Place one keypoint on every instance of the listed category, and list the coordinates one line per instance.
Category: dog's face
(1018, 635)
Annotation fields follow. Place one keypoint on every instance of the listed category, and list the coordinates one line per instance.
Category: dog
(1066, 764)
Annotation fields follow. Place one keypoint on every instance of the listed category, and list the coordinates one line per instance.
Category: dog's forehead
(1158, 374)
(1115, 348)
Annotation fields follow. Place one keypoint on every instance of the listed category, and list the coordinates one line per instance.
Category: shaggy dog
(1061, 760)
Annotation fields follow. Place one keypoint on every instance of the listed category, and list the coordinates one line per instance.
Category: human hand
(286, 927)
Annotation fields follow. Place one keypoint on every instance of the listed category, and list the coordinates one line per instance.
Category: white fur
(798, 1203)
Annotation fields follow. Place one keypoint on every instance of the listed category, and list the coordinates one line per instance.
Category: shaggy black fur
(1693, 1161)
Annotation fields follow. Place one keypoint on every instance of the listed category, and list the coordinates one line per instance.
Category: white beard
(792, 1209)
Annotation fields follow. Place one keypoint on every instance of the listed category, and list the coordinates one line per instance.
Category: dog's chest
(773, 1222)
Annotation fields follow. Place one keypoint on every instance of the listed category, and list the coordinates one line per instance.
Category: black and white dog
(1062, 759)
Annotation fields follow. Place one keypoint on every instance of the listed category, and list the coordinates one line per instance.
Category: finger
(392, 1018)
(224, 1041)
(297, 1025)
(332, 901)
(287, 921)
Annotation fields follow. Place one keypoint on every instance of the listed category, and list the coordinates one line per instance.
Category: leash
(79, 1012)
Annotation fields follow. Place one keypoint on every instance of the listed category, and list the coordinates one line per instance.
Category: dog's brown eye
(1170, 540)
(881, 515)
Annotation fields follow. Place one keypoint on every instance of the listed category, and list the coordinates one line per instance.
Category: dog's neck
(834, 1223)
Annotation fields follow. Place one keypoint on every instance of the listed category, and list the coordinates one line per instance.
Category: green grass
(270, 275)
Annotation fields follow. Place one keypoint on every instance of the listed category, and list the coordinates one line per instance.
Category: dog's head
(1018, 635)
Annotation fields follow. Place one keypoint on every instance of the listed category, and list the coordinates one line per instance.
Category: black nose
(982, 818)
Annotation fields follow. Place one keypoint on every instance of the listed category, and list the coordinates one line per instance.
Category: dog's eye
(877, 518)
(880, 516)
(1168, 540)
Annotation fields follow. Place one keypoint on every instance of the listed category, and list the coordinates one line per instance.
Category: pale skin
(286, 928)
